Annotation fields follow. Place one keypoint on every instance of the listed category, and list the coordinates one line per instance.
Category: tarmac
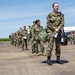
(14, 61)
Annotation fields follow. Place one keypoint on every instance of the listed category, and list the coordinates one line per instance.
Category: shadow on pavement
(54, 61)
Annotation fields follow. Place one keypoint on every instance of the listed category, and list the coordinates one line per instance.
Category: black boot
(22, 48)
(49, 61)
(26, 47)
(33, 51)
(58, 60)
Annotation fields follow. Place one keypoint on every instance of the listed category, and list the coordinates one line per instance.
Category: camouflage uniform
(35, 32)
(12, 39)
(24, 40)
(19, 37)
(29, 34)
(15, 39)
(32, 39)
(54, 21)
(71, 38)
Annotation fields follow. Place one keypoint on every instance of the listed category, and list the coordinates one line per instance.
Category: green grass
(4, 39)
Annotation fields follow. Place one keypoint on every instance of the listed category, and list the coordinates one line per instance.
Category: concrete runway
(14, 61)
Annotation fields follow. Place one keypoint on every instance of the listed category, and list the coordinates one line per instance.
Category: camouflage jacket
(31, 30)
(12, 36)
(19, 33)
(24, 33)
(72, 36)
(36, 30)
(15, 37)
(55, 21)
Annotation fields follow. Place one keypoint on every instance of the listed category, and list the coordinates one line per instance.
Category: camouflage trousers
(12, 41)
(33, 43)
(24, 43)
(16, 42)
(51, 44)
(41, 43)
(19, 41)
(71, 40)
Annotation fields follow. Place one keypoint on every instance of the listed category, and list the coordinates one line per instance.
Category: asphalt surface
(14, 61)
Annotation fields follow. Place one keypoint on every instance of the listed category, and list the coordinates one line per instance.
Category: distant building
(68, 29)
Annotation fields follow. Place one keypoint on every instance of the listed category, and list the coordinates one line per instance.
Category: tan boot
(43, 54)
(36, 54)
(18, 46)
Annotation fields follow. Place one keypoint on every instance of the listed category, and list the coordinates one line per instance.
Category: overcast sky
(17, 13)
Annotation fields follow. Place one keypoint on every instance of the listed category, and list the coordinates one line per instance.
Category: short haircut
(33, 21)
(24, 26)
(37, 21)
(54, 4)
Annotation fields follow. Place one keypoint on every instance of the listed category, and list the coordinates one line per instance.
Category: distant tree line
(4, 39)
